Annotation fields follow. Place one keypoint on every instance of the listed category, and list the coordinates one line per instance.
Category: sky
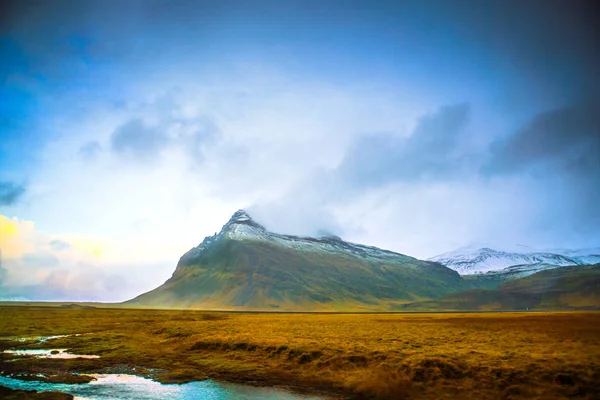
(129, 131)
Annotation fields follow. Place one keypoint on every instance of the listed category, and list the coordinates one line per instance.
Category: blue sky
(128, 132)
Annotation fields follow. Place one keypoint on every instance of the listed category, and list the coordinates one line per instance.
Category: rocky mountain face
(245, 267)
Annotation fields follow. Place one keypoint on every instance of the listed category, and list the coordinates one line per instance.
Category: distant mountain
(517, 271)
(246, 267)
(470, 260)
(585, 256)
(562, 288)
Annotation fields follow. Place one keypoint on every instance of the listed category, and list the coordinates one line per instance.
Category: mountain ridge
(244, 266)
(241, 226)
(467, 260)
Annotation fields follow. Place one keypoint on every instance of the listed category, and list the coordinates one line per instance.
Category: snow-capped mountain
(469, 260)
(245, 266)
(586, 256)
(242, 227)
(519, 271)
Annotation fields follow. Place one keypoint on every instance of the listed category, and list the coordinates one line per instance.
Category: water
(121, 387)
(43, 339)
(47, 353)
(39, 339)
(132, 387)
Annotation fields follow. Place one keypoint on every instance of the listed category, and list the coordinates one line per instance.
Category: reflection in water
(47, 353)
(120, 386)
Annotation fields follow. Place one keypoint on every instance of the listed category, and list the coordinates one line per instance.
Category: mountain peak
(247, 267)
(241, 217)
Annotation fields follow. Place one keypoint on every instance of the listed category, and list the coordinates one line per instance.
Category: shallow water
(47, 353)
(121, 386)
(39, 339)
(44, 339)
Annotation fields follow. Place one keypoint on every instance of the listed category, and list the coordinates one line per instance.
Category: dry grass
(378, 356)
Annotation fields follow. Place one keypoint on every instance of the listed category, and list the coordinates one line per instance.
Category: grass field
(380, 356)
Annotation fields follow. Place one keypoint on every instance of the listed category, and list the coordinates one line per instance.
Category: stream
(129, 387)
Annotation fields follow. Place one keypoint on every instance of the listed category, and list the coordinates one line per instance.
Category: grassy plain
(380, 356)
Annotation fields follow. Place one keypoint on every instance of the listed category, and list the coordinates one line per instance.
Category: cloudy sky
(131, 130)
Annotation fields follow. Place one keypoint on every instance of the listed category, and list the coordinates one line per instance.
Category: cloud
(43, 259)
(17, 237)
(90, 150)
(37, 265)
(298, 213)
(415, 189)
(170, 127)
(432, 152)
(565, 140)
(90, 284)
(59, 245)
(3, 271)
(313, 127)
(10, 193)
(197, 143)
(139, 140)
(559, 141)
(70, 285)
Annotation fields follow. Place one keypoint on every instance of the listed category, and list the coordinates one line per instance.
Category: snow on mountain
(520, 271)
(590, 255)
(245, 266)
(242, 227)
(469, 260)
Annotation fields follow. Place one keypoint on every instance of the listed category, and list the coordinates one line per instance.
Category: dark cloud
(145, 143)
(138, 140)
(90, 150)
(10, 193)
(548, 47)
(551, 165)
(565, 140)
(59, 245)
(561, 141)
(432, 152)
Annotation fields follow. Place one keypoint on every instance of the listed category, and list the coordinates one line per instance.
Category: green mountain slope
(246, 267)
(564, 288)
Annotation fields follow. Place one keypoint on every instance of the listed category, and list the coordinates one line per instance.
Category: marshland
(376, 356)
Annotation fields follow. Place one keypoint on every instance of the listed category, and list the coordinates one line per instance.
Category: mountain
(492, 279)
(562, 288)
(470, 260)
(246, 267)
(586, 256)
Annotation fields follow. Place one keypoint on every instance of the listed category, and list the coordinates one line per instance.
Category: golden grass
(379, 356)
